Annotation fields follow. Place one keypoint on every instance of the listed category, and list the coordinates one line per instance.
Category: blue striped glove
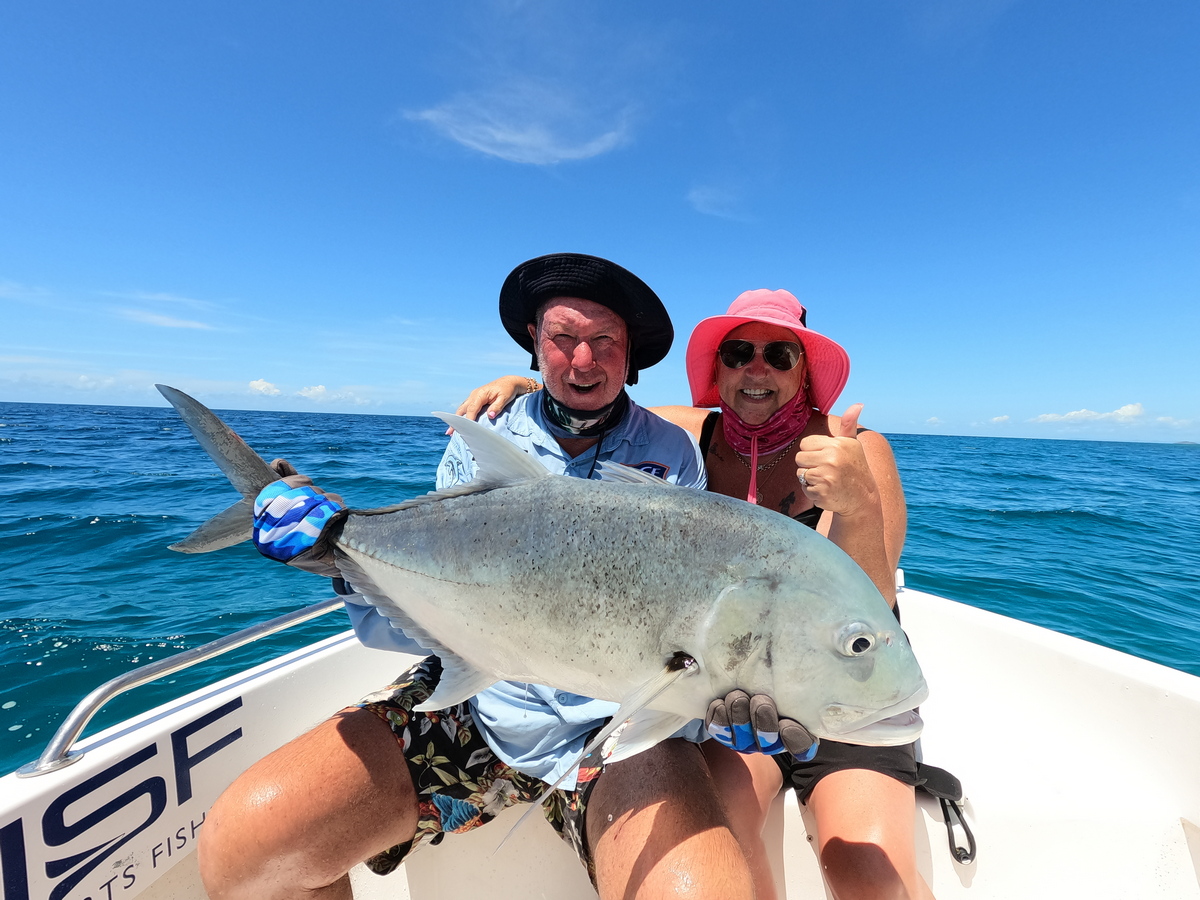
(752, 725)
(292, 519)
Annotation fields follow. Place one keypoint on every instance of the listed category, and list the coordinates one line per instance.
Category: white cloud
(529, 122)
(161, 297)
(320, 394)
(262, 386)
(161, 321)
(716, 201)
(91, 383)
(1129, 414)
(10, 290)
(543, 83)
(999, 420)
(933, 420)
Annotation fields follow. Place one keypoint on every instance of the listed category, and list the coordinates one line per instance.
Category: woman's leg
(865, 836)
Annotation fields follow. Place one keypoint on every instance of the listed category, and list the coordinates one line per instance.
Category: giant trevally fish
(602, 587)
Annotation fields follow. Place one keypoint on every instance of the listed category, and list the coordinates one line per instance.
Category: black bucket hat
(533, 283)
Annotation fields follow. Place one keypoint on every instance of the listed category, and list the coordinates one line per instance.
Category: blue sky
(994, 205)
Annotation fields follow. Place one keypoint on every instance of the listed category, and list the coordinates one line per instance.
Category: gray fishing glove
(752, 725)
(293, 519)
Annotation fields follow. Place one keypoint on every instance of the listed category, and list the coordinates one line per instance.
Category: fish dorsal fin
(457, 490)
(611, 471)
(500, 463)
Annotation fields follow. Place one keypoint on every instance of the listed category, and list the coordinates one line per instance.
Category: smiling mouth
(584, 388)
(756, 393)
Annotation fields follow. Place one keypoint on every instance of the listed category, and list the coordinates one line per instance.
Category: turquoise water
(1093, 539)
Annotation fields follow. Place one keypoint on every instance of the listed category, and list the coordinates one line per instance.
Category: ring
(803, 480)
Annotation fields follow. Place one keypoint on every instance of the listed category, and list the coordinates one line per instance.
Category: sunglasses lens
(735, 354)
(782, 355)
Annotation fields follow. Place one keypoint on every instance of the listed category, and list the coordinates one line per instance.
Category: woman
(774, 443)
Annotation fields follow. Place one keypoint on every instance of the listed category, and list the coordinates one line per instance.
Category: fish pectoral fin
(637, 726)
(645, 736)
(643, 731)
(459, 681)
(226, 528)
(500, 463)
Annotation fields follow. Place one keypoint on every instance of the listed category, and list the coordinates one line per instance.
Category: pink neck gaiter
(773, 435)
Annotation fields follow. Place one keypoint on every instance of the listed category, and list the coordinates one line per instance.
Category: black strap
(948, 790)
(706, 432)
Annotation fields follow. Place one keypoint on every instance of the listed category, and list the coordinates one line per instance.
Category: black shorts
(895, 762)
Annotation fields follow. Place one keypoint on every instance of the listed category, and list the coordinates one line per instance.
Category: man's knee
(238, 841)
(861, 870)
(304, 815)
(656, 826)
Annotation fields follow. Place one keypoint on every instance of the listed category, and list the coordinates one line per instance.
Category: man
(298, 820)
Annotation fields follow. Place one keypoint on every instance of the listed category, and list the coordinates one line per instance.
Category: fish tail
(245, 469)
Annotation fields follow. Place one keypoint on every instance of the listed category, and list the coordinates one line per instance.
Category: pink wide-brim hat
(828, 364)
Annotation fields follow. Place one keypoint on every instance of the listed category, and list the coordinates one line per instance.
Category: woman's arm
(689, 418)
(495, 395)
(851, 473)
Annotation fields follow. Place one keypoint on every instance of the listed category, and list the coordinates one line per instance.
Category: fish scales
(592, 586)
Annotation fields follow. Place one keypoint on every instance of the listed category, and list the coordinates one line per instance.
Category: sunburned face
(582, 352)
(757, 390)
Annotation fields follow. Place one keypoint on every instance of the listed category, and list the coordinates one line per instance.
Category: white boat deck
(1078, 763)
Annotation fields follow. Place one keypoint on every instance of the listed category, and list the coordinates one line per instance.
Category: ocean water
(1094, 539)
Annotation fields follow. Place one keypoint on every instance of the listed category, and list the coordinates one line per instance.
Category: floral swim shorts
(460, 783)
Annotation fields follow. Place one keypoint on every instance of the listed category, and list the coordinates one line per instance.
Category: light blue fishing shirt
(534, 728)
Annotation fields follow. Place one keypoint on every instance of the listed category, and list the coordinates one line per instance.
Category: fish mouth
(891, 726)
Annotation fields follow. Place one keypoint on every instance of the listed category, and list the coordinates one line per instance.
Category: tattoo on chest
(785, 505)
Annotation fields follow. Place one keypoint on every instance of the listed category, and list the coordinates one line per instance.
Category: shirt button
(562, 698)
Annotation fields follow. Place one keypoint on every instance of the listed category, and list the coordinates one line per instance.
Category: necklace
(765, 467)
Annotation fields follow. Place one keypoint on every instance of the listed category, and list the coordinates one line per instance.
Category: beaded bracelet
(531, 386)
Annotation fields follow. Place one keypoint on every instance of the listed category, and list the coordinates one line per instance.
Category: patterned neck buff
(771, 436)
(585, 422)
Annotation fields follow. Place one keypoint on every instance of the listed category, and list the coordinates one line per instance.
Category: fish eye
(856, 639)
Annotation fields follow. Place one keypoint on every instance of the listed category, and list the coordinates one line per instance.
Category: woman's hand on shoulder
(495, 395)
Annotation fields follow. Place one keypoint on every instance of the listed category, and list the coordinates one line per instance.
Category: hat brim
(530, 285)
(828, 363)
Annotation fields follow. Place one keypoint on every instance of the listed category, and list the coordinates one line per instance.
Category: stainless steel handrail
(58, 752)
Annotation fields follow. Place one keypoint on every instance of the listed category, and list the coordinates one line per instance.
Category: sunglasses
(781, 355)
